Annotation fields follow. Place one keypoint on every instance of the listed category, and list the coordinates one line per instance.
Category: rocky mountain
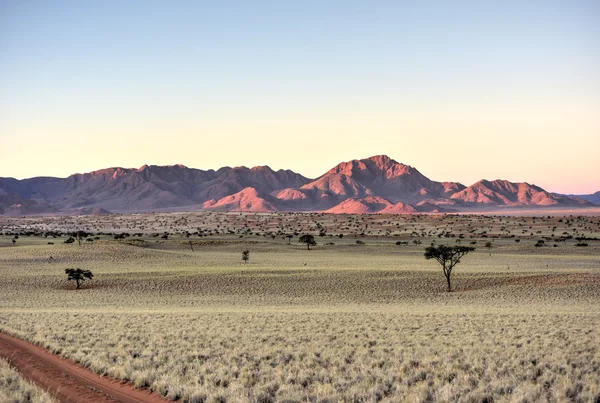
(593, 198)
(149, 187)
(505, 193)
(380, 176)
(247, 199)
(372, 185)
(370, 205)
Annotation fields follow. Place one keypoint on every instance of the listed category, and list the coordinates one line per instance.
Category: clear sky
(462, 90)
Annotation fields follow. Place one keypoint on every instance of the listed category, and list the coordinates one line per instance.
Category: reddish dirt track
(64, 379)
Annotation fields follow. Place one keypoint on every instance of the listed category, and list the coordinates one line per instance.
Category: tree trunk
(77, 281)
(308, 246)
(448, 280)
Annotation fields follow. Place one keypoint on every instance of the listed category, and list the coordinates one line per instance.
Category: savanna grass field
(360, 317)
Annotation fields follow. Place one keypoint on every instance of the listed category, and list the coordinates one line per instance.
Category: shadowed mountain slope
(591, 198)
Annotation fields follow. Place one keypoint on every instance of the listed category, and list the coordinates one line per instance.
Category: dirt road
(64, 379)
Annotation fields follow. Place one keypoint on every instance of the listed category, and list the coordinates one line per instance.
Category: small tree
(246, 256)
(79, 275)
(488, 245)
(448, 257)
(308, 240)
(79, 236)
(289, 238)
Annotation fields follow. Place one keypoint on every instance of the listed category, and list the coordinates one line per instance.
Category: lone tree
(79, 235)
(289, 238)
(448, 257)
(79, 275)
(308, 240)
(246, 256)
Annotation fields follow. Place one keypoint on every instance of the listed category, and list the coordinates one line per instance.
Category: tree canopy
(78, 275)
(447, 257)
(79, 235)
(308, 240)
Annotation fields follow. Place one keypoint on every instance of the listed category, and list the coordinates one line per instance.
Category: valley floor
(342, 322)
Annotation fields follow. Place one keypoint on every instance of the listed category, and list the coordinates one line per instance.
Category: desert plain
(360, 317)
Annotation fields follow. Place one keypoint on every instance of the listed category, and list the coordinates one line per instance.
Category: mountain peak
(387, 164)
(381, 160)
(261, 168)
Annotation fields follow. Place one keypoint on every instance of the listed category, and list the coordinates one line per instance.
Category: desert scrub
(15, 389)
(338, 323)
(334, 356)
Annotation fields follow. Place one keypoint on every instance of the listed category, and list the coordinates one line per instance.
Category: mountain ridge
(377, 184)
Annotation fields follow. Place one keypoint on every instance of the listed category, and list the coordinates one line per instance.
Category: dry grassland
(14, 389)
(342, 322)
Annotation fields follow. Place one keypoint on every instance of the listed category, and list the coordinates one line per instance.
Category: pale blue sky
(304, 85)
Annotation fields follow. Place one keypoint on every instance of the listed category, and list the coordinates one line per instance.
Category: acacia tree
(308, 240)
(289, 238)
(246, 256)
(79, 275)
(79, 235)
(448, 257)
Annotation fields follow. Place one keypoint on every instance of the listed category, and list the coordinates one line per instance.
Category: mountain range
(593, 198)
(372, 185)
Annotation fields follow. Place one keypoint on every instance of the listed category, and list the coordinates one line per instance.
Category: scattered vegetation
(342, 323)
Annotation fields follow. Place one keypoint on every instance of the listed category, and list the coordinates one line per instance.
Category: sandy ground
(65, 380)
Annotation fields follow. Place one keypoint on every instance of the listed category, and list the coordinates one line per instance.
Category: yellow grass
(14, 389)
(342, 322)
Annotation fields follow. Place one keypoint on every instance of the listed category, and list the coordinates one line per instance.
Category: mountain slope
(380, 176)
(372, 185)
(149, 187)
(591, 198)
(371, 205)
(248, 199)
(15, 205)
(505, 193)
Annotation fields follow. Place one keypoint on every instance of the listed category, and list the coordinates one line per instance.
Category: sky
(461, 90)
